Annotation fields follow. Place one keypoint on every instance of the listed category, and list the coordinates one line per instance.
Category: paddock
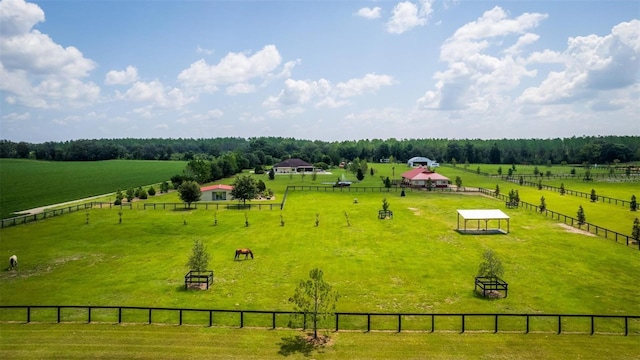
(484, 215)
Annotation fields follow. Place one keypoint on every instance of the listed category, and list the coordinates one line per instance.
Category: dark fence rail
(208, 205)
(24, 219)
(569, 220)
(582, 194)
(622, 324)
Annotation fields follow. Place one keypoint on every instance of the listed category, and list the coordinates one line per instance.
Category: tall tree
(189, 192)
(245, 188)
(315, 298)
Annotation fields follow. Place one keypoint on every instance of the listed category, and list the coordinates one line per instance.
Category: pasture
(27, 184)
(415, 262)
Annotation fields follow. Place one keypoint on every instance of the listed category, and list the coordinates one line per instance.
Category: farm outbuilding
(486, 216)
(218, 192)
(292, 166)
(418, 178)
(422, 161)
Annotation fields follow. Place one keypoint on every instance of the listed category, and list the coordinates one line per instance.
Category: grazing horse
(13, 262)
(246, 253)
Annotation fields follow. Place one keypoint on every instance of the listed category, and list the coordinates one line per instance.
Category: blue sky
(319, 70)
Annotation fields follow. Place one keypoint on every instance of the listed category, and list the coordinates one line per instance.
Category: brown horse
(245, 252)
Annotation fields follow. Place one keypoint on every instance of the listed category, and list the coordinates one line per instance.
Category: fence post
(527, 331)
(626, 325)
(28, 314)
(58, 314)
(559, 324)
(368, 322)
(592, 327)
(241, 319)
(149, 315)
(273, 320)
(462, 322)
(496, 324)
(119, 315)
(433, 323)
(337, 322)
(180, 317)
(210, 318)
(399, 322)
(89, 315)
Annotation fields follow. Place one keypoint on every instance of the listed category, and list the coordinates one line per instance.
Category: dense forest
(266, 151)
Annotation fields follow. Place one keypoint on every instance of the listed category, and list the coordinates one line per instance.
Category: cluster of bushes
(139, 193)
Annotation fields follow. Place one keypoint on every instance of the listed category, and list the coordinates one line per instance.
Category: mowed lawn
(27, 184)
(415, 262)
(101, 341)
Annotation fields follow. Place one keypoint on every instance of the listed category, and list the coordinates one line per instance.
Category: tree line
(266, 151)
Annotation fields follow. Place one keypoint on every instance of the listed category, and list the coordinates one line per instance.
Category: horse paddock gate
(198, 278)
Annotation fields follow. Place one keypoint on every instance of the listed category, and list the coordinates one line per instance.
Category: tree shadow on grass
(296, 344)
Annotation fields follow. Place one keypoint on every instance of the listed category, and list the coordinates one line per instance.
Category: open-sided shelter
(484, 215)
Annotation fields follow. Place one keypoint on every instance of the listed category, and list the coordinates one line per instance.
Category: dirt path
(40, 209)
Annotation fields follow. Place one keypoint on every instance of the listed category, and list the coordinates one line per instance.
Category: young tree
(581, 217)
(458, 182)
(594, 197)
(633, 205)
(500, 170)
(536, 171)
(130, 195)
(272, 174)
(497, 192)
(261, 185)
(316, 299)
(199, 260)
(244, 188)
(429, 184)
(151, 191)
(562, 190)
(119, 197)
(491, 265)
(540, 184)
(543, 204)
(387, 183)
(360, 175)
(635, 232)
(164, 187)
(385, 204)
(521, 180)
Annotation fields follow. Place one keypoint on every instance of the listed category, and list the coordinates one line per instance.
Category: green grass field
(415, 262)
(79, 341)
(27, 184)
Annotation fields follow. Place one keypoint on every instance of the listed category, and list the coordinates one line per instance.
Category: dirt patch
(415, 211)
(574, 230)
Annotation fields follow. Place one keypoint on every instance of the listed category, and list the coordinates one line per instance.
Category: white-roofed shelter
(486, 216)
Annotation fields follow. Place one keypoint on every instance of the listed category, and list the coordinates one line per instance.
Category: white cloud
(157, 94)
(201, 50)
(592, 65)
(366, 84)
(407, 15)
(13, 117)
(475, 77)
(127, 76)
(369, 13)
(234, 68)
(33, 68)
(322, 93)
(240, 88)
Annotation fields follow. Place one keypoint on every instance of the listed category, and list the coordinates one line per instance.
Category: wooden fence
(460, 322)
(24, 219)
(569, 220)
